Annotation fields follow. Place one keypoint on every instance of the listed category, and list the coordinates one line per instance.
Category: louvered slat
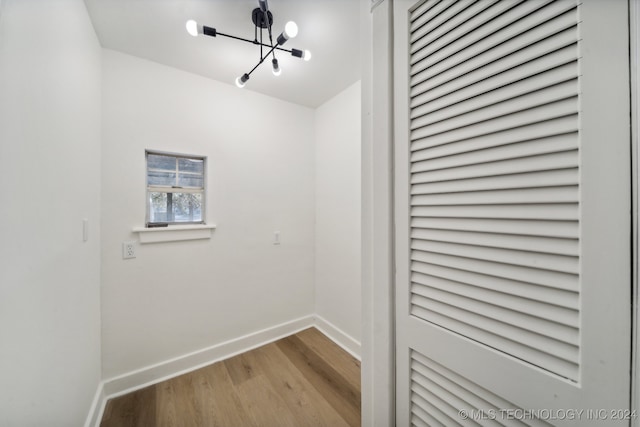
(504, 285)
(556, 356)
(568, 247)
(543, 162)
(558, 211)
(536, 26)
(538, 146)
(500, 197)
(434, 412)
(420, 418)
(498, 108)
(535, 260)
(517, 320)
(454, 8)
(425, 371)
(561, 229)
(523, 80)
(458, 38)
(423, 138)
(431, 14)
(550, 311)
(549, 278)
(495, 181)
(458, 396)
(449, 414)
(423, 8)
(485, 94)
(428, 33)
(561, 177)
(534, 132)
(547, 54)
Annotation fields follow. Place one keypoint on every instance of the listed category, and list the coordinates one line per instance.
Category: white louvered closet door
(512, 197)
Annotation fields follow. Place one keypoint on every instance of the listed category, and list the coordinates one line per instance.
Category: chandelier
(262, 19)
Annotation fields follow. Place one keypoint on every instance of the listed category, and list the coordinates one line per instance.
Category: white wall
(180, 297)
(337, 164)
(50, 170)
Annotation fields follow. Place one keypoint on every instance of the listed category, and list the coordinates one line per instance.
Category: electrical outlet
(128, 250)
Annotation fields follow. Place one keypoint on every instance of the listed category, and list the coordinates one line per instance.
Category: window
(175, 189)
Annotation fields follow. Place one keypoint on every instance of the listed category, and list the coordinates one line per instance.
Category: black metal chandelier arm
(271, 42)
(262, 59)
(260, 43)
(217, 33)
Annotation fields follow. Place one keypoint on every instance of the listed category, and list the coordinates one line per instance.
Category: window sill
(174, 233)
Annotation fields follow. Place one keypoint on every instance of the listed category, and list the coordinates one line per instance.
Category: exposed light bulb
(242, 80)
(192, 27)
(290, 29)
(276, 68)
(307, 55)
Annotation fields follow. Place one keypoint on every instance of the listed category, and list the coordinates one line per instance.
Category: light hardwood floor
(301, 380)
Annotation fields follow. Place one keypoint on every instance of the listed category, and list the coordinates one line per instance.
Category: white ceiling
(155, 30)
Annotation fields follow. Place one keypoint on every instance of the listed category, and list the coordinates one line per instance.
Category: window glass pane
(175, 207)
(187, 207)
(191, 181)
(158, 204)
(157, 161)
(161, 178)
(191, 165)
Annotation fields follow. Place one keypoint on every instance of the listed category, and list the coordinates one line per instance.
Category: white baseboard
(344, 340)
(153, 374)
(97, 407)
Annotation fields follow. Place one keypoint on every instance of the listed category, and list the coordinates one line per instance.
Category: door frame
(378, 302)
(634, 42)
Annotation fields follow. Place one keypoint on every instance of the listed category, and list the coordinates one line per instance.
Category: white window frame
(174, 189)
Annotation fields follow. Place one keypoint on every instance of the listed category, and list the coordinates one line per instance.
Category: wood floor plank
(166, 410)
(137, 409)
(187, 401)
(347, 365)
(241, 367)
(222, 405)
(341, 395)
(302, 380)
(263, 403)
(303, 400)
